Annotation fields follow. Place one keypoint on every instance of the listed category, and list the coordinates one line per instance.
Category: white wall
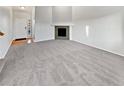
(47, 17)
(6, 27)
(43, 23)
(20, 22)
(105, 32)
(33, 22)
(61, 14)
(81, 13)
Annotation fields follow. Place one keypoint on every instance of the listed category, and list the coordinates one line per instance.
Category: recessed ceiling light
(22, 7)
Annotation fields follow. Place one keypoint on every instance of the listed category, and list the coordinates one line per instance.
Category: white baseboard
(101, 48)
(43, 40)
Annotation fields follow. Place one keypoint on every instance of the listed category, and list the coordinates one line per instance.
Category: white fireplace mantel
(62, 24)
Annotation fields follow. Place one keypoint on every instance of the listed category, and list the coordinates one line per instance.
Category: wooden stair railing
(1, 33)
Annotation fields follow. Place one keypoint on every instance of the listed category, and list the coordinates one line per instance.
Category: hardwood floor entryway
(61, 62)
(22, 41)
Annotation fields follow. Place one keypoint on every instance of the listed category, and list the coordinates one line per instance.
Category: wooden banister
(1, 33)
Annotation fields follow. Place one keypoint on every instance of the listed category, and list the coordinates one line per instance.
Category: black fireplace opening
(62, 32)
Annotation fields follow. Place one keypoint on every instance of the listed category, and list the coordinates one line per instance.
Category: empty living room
(61, 46)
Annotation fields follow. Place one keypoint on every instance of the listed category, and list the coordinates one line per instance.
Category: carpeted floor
(61, 62)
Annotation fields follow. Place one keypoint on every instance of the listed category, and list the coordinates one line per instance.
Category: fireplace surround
(62, 32)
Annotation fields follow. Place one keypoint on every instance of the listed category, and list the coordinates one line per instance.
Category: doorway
(23, 24)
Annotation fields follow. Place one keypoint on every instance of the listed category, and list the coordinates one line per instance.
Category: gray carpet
(61, 62)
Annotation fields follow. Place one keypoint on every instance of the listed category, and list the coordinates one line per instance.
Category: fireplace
(62, 32)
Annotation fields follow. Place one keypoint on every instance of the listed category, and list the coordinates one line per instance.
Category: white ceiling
(26, 9)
